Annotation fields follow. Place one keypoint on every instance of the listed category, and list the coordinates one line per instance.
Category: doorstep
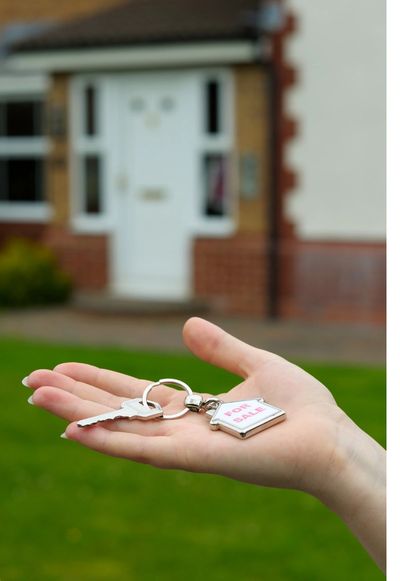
(107, 304)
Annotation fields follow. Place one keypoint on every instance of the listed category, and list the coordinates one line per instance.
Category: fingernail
(25, 381)
(64, 436)
(30, 400)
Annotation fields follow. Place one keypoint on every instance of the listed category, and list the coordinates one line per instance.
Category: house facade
(145, 143)
(337, 205)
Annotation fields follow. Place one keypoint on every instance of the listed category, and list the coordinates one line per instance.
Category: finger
(159, 451)
(72, 408)
(217, 347)
(117, 383)
(46, 377)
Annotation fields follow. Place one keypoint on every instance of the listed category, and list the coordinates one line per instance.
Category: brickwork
(333, 281)
(58, 161)
(252, 137)
(84, 257)
(12, 11)
(29, 231)
(230, 273)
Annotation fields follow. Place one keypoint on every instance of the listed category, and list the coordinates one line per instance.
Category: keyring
(168, 382)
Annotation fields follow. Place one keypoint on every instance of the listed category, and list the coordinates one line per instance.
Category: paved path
(293, 340)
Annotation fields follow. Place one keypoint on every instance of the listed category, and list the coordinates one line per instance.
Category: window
(215, 185)
(22, 149)
(90, 110)
(21, 118)
(215, 150)
(87, 140)
(21, 179)
(92, 184)
(212, 107)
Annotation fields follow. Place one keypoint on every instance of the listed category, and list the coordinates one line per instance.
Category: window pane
(215, 173)
(90, 110)
(21, 180)
(212, 107)
(91, 184)
(3, 181)
(21, 119)
(2, 119)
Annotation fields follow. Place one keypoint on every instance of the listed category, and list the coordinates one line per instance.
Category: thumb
(212, 344)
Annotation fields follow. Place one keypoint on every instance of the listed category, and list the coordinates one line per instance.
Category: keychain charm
(245, 418)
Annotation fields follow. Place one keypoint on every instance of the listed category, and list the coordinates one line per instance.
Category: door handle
(153, 194)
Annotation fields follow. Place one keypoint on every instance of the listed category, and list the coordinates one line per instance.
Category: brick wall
(84, 257)
(321, 281)
(230, 273)
(58, 165)
(252, 128)
(30, 231)
(333, 281)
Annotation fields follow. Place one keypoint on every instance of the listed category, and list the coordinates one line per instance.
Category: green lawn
(69, 513)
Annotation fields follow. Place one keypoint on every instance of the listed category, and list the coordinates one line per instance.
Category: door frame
(106, 223)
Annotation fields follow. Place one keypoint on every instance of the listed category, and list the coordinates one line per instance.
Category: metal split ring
(168, 382)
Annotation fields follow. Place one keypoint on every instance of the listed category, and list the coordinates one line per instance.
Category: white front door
(155, 174)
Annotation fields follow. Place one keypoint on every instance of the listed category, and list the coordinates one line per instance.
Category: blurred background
(173, 157)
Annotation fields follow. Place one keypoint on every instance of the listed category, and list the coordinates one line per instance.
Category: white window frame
(102, 144)
(222, 143)
(18, 87)
(80, 145)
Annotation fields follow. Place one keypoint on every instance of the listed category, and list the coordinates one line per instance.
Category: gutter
(117, 58)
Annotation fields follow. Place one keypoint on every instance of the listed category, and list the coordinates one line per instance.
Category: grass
(67, 512)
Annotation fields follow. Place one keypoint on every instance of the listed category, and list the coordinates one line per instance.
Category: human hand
(318, 449)
(74, 391)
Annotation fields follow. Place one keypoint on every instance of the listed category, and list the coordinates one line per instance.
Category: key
(130, 409)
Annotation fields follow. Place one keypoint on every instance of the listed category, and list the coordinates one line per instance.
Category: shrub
(29, 275)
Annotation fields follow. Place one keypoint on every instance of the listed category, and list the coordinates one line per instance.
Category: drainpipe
(271, 20)
(273, 208)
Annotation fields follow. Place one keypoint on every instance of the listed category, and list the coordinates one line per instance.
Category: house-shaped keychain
(245, 418)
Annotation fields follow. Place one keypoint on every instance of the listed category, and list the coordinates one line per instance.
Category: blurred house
(145, 142)
(338, 155)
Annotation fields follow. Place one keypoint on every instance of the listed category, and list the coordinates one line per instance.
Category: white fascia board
(138, 57)
(11, 83)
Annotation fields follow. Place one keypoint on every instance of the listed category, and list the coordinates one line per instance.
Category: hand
(317, 449)
(286, 455)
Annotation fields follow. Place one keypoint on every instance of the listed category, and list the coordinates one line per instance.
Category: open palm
(295, 453)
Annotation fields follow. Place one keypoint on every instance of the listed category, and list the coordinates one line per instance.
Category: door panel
(157, 157)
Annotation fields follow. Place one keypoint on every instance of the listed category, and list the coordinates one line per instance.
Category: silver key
(130, 409)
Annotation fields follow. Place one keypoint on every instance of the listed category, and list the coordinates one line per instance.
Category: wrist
(354, 486)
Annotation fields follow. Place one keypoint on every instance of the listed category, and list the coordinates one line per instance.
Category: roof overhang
(140, 57)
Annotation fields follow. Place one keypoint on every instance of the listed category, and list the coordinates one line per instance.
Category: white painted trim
(223, 143)
(23, 146)
(102, 144)
(91, 224)
(80, 145)
(15, 87)
(205, 53)
(22, 84)
(29, 212)
(214, 226)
